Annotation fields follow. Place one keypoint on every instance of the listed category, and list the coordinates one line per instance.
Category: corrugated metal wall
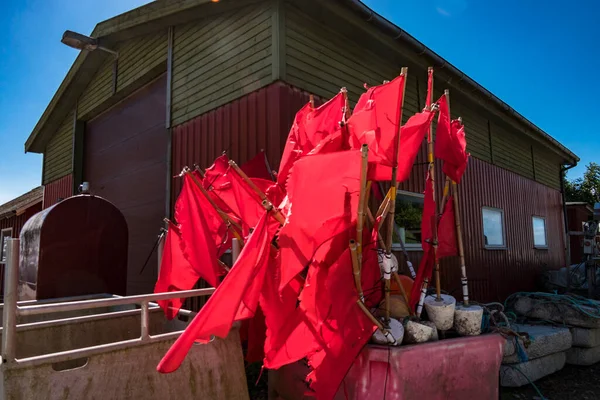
(58, 189)
(262, 120)
(17, 222)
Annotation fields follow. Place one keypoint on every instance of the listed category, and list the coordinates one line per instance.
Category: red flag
(411, 137)
(323, 204)
(176, 273)
(198, 222)
(247, 203)
(311, 126)
(427, 224)
(376, 119)
(257, 167)
(235, 299)
(447, 231)
(216, 171)
(329, 301)
(450, 143)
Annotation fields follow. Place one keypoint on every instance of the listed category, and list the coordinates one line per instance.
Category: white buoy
(415, 332)
(467, 320)
(434, 335)
(396, 329)
(441, 312)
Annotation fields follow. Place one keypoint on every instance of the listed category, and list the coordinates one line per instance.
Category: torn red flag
(411, 137)
(199, 224)
(257, 167)
(427, 224)
(342, 329)
(310, 127)
(450, 143)
(235, 299)
(323, 204)
(447, 231)
(175, 274)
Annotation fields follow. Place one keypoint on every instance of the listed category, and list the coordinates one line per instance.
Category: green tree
(586, 188)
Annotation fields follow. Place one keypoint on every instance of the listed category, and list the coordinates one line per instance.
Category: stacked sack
(537, 351)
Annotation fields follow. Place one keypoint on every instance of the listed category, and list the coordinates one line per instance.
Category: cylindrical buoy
(396, 329)
(415, 332)
(467, 320)
(441, 312)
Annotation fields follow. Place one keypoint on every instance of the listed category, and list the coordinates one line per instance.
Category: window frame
(396, 246)
(502, 219)
(536, 246)
(3, 234)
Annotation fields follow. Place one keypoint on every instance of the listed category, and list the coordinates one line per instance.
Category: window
(5, 234)
(409, 211)
(539, 232)
(493, 228)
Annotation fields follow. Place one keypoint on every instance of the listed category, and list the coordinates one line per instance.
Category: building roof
(22, 203)
(161, 13)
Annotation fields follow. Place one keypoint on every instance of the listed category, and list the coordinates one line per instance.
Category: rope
(583, 305)
(528, 380)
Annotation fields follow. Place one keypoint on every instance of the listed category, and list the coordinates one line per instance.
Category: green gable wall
(220, 59)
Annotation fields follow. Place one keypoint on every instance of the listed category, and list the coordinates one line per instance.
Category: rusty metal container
(76, 247)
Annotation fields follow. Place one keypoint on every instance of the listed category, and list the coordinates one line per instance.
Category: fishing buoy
(434, 335)
(467, 320)
(407, 283)
(396, 329)
(398, 308)
(441, 312)
(415, 332)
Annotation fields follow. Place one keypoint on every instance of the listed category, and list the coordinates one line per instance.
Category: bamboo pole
(233, 226)
(461, 249)
(356, 269)
(264, 200)
(434, 230)
(360, 220)
(445, 195)
(392, 211)
(372, 220)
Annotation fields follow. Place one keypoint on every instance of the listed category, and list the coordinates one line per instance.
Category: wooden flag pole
(392, 211)
(434, 230)
(233, 226)
(356, 269)
(360, 220)
(461, 249)
(445, 194)
(264, 200)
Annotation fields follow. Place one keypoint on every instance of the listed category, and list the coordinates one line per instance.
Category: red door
(125, 162)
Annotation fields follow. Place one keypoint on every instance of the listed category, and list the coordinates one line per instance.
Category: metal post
(235, 250)
(145, 321)
(9, 315)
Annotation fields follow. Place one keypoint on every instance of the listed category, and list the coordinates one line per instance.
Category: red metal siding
(58, 189)
(17, 222)
(262, 120)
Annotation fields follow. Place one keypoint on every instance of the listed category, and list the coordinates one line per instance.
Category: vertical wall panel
(58, 189)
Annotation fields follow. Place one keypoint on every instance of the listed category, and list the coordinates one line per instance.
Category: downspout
(563, 171)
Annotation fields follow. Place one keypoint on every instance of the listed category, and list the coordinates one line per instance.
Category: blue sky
(538, 56)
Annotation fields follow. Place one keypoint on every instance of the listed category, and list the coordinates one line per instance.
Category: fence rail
(12, 310)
